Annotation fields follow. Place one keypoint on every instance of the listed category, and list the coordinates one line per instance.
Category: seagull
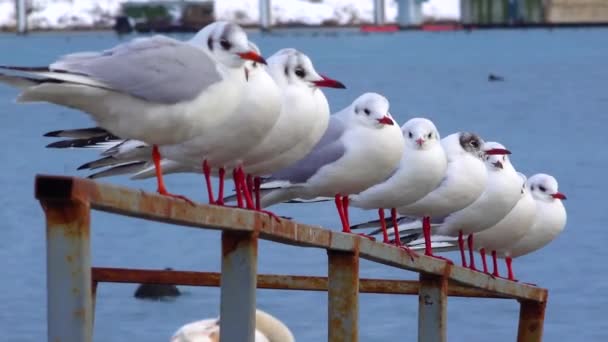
(303, 117)
(501, 193)
(361, 147)
(156, 89)
(421, 169)
(267, 329)
(463, 183)
(549, 219)
(535, 221)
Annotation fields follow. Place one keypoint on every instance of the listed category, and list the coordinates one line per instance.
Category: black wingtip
(26, 69)
(53, 134)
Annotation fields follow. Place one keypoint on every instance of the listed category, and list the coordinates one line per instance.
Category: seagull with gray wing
(156, 89)
(361, 147)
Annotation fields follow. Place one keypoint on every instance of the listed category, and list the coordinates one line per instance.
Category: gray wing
(157, 69)
(329, 149)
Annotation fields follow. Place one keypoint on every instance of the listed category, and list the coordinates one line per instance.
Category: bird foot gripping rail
(71, 280)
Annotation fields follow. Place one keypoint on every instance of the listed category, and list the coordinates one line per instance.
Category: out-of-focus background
(550, 109)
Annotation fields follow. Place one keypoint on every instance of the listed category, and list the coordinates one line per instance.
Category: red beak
(329, 83)
(419, 141)
(252, 56)
(497, 151)
(386, 121)
(559, 195)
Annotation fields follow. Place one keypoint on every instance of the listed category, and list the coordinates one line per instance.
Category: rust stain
(79, 314)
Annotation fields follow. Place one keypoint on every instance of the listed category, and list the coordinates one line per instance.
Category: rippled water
(551, 112)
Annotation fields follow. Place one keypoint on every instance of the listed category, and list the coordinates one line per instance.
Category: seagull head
(227, 43)
(544, 187)
(371, 110)
(420, 133)
(292, 67)
(252, 67)
(471, 143)
(495, 155)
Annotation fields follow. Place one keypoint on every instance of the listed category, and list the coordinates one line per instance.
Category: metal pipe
(273, 281)
(238, 283)
(68, 257)
(531, 321)
(343, 296)
(432, 308)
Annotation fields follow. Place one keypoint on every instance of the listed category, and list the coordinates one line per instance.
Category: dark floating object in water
(156, 291)
(493, 78)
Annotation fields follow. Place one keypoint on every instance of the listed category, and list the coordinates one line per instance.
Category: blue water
(551, 111)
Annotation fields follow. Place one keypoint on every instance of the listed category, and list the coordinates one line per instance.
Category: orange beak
(252, 56)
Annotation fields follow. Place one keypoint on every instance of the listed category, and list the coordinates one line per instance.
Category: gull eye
(367, 112)
(300, 72)
(542, 188)
(430, 135)
(474, 143)
(409, 134)
(225, 44)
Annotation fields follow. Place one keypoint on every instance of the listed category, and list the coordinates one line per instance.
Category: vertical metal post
(265, 15)
(238, 284)
(343, 296)
(68, 255)
(432, 308)
(379, 10)
(20, 12)
(531, 321)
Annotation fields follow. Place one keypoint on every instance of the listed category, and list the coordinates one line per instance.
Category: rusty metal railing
(71, 280)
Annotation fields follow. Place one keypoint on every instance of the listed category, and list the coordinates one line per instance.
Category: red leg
(251, 189)
(461, 246)
(482, 252)
(345, 210)
(397, 238)
(237, 188)
(340, 208)
(220, 195)
(426, 231)
(245, 189)
(257, 182)
(383, 225)
(471, 255)
(207, 173)
(161, 189)
(495, 265)
(508, 261)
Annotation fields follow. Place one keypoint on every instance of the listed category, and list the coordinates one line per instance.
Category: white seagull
(303, 118)
(361, 147)
(535, 221)
(463, 183)
(158, 90)
(267, 329)
(421, 169)
(501, 193)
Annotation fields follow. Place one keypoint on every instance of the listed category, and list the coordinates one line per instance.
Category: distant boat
(164, 16)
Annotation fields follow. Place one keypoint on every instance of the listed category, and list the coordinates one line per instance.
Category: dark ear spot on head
(210, 43)
(286, 71)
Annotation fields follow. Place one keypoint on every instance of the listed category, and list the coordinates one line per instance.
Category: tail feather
(122, 169)
(79, 133)
(82, 143)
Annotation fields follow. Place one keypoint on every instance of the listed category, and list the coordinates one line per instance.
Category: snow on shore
(60, 14)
